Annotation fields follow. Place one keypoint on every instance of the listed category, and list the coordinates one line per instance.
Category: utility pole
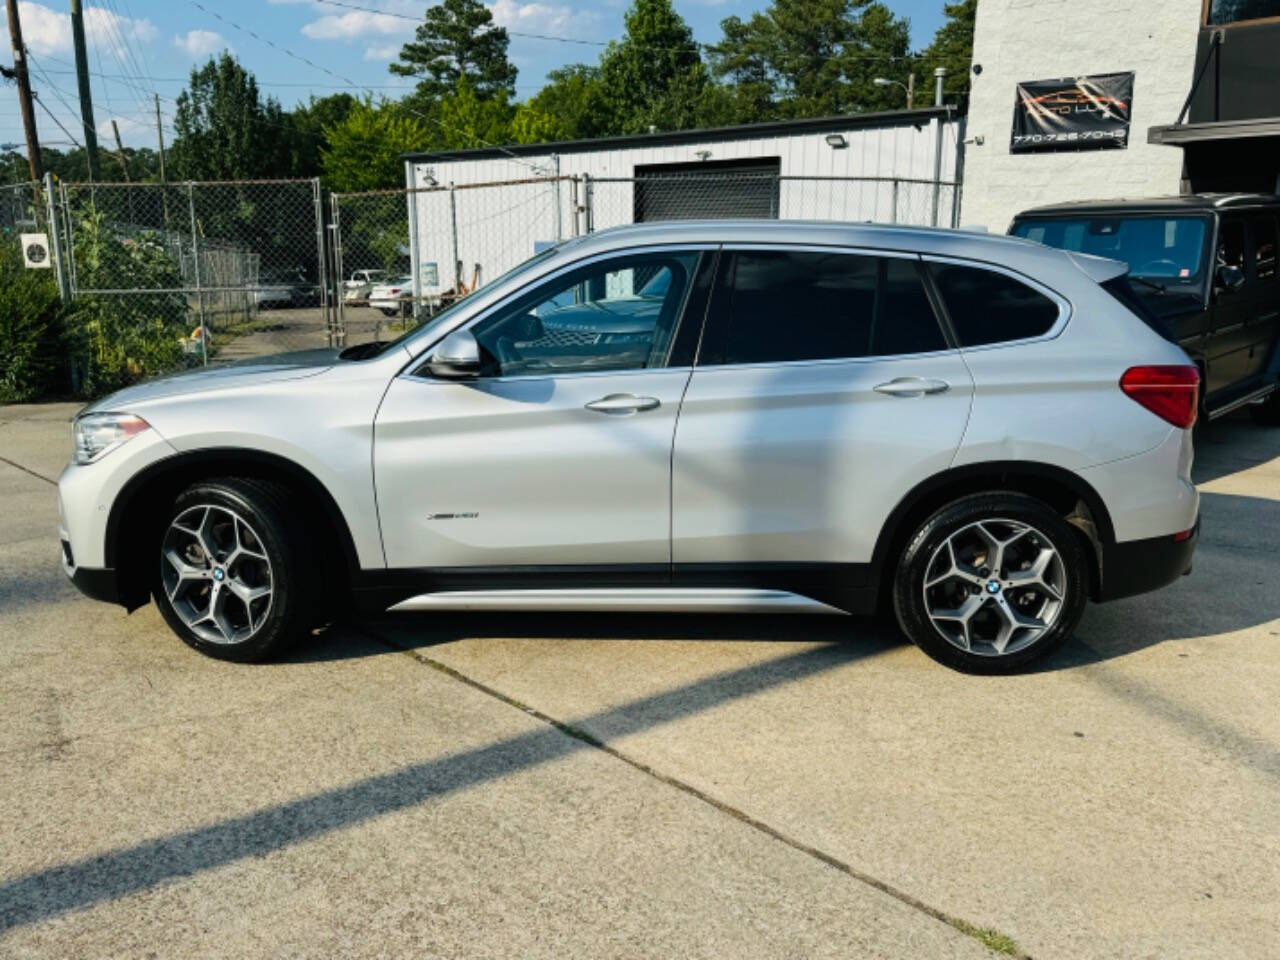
(120, 149)
(86, 97)
(940, 76)
(24, 92)
(911, 90)
(159, 135)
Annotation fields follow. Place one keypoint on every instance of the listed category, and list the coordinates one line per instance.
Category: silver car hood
(240, 373)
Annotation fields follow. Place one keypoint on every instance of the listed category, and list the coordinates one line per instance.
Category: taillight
(1170, 392)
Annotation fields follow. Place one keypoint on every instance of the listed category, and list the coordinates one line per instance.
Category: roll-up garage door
(707, 190)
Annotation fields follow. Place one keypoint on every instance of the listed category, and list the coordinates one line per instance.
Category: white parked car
(971, 431)
(356, 289)
(392, 296)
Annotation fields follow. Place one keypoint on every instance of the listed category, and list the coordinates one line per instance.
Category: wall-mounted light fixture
(836, 141)
(703, 155)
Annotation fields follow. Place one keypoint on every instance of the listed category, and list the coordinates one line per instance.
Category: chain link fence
(163, 276)
(458, 238)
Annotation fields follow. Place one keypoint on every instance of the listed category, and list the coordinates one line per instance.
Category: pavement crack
(994, 940)
(18, 466)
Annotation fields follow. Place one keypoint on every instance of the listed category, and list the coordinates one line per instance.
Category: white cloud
(355, 23)
(128, 127)
(384, 52)
(534, 17)
(199, 43)
(47, 31)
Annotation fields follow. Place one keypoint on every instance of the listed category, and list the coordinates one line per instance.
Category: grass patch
(993, 940)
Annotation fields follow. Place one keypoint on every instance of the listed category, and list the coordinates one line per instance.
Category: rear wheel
(233, 575)
(991, 582)
(388, 311)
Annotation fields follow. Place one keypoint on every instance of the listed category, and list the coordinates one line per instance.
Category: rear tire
(234, 576)
(991, 582)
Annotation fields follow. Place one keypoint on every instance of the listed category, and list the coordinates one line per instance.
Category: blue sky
(141, 47)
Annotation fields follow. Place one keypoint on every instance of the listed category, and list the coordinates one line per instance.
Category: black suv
(1202, 270)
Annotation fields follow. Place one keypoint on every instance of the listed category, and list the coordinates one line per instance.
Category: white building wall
(1021, 40)
(498, 226)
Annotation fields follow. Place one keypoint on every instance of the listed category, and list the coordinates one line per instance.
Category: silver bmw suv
(970, 431)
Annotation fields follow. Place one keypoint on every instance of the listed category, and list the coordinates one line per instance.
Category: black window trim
(717, 291)
(416, 369)
(1062, 303)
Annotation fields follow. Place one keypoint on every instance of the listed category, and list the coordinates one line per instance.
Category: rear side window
(778, 306)
(989, 307)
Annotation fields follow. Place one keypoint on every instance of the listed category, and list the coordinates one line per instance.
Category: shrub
(31, 345)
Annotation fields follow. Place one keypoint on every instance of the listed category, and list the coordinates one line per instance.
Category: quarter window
(617, 315)
(989, 307)
(778, 306)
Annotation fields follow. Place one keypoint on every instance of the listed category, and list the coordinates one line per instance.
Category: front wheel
(991, 582)
(232, 571)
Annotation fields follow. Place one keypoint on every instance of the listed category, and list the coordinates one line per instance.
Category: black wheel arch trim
(996, 473)
(229, 456)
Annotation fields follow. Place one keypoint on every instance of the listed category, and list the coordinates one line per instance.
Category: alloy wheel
(216, 574)
(994, 587)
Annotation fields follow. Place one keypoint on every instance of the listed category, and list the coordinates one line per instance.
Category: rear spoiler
(1099, 269)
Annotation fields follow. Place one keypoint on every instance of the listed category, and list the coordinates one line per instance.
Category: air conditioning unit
(35, 251)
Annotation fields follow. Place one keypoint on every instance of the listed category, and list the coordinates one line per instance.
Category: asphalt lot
(585, 786)
(279, 330)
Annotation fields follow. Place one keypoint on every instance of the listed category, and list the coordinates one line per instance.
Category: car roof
(1186, 203)
(891, 237)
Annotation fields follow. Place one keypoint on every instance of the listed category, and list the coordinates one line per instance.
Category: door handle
(912, 387)
(622, 404)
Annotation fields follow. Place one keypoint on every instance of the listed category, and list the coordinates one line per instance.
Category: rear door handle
(912, 387)
(622, 404)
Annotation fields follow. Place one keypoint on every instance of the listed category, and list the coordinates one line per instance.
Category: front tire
(991, 582)
(233, 573)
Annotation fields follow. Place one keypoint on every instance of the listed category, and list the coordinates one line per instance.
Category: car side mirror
(1230, 278)
(456, 357)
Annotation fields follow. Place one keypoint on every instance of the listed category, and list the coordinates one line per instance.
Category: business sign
(1078, 113)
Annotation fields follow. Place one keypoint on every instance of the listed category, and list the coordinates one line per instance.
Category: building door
(710, 190)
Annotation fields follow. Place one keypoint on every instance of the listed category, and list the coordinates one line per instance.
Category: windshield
(1167, 250)
(446, 314)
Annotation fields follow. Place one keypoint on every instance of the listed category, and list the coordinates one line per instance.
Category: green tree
(467, 119)
(807, 58)
(654, 75)
(309, 121)
(363, 151)
(226, 130)
(574, 99)
(952, 47)
(457, 39)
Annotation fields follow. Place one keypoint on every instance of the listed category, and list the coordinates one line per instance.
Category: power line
(36, 97)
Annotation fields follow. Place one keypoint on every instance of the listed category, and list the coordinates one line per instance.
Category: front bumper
(1140, 566)
(96, 584)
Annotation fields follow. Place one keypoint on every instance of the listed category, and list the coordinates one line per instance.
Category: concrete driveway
(569, 786)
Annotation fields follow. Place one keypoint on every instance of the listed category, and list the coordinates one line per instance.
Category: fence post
(339, 270)
(589, 202)
(321, 259)
(453, 235)
(65, 207)
(893, 216)
(555, 159)
(573, 199)
(195, 260)
(55, 244)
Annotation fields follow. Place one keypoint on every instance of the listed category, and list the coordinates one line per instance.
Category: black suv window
(989, 307)
(777, 306)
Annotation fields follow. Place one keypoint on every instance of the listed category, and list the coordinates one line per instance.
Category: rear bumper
(1140, 566)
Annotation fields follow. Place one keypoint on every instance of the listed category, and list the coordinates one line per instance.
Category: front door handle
(912, 387)
(622, 404)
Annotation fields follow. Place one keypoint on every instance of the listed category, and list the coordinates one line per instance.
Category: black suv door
(1263, 326)
(1230, 337)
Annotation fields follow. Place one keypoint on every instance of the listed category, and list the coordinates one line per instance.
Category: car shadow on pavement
(1232, 444)
(63, 888)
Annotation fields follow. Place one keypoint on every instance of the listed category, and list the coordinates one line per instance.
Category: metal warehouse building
(475, 213)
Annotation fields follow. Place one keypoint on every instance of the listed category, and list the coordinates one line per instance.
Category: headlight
(97, 433)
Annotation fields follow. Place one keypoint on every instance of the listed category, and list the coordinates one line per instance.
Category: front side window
(989, 307)
(778, 306)
(616, 315)
(1222, 12)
